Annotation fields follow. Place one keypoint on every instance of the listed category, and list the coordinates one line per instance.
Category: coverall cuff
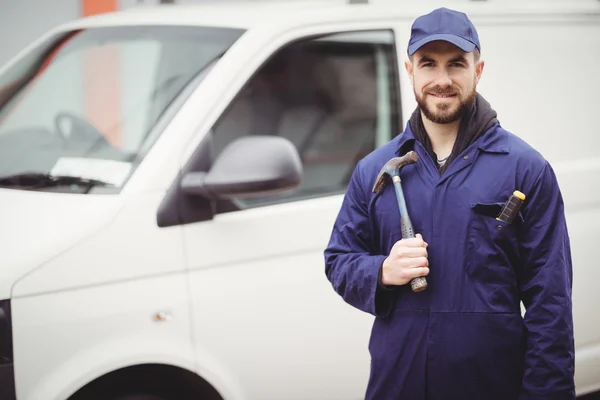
(384, 295)
(380, 283)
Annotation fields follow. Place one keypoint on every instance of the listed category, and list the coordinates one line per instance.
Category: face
(444, 80)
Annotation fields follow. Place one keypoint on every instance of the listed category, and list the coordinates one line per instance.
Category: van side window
(335, 97)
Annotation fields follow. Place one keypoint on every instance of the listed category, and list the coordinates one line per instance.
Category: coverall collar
(494, 140)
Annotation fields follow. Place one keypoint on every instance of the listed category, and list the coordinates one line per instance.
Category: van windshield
(83, 105)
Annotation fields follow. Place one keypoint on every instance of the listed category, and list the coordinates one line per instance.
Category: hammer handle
(407, 228)
(417, 284)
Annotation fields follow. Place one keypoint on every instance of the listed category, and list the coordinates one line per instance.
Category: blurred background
(20, 25)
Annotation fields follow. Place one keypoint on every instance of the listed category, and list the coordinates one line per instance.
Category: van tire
(148, 382)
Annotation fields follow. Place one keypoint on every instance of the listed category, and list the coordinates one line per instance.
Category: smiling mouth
(443, 95)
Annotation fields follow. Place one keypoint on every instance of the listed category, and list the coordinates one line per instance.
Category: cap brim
(459, 42)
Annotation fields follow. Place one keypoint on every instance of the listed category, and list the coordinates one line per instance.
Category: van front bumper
(7, 382)
(7, 370)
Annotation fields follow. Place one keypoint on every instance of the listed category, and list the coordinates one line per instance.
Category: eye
(427, 65)
(457, 65)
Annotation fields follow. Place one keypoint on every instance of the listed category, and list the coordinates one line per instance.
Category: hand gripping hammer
(392, 168)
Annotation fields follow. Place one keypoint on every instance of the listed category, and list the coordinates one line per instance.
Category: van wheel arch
(148, 382)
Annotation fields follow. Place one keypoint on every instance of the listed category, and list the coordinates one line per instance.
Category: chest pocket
(492, 246)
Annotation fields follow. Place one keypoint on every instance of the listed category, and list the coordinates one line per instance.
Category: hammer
(392, 168)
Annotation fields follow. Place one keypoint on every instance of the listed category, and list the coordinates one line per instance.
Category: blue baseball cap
(444, 24)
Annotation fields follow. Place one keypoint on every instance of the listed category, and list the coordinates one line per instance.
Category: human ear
(409, 68)
(479, 70)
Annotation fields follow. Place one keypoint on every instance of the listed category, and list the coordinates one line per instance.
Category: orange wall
(102, 76)
(93, 7)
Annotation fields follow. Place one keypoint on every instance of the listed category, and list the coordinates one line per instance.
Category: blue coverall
(464, 337)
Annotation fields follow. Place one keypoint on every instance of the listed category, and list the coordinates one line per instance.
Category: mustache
(439, 90)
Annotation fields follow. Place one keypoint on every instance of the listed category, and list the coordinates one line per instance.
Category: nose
(442, 78)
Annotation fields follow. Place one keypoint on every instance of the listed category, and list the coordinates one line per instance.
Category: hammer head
(393, 167)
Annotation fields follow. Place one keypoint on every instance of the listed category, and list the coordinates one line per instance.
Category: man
(464, 336)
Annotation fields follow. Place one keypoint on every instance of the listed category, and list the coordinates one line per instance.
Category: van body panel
(91, 331)
(129, 247)
(37, 227)
(275, 300)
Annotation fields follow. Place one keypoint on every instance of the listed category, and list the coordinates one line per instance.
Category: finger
(419, 262)
(415, 273)
(407, 263)
(414, 242)
(418, 272)
(411, 252)
(419, 236)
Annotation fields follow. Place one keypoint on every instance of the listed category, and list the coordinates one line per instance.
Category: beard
(443, 113)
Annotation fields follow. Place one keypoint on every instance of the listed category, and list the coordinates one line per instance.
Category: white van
(169, 178)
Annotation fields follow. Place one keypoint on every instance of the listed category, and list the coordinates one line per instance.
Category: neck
(442, 136)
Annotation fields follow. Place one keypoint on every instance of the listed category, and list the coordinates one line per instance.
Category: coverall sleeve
(545, 284)
(351, 265)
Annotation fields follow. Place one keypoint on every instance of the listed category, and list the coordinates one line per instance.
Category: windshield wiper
(32, 180)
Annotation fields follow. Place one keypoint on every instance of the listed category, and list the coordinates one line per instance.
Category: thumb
(419, 236)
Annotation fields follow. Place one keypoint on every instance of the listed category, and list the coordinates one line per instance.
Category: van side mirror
(248, 167)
